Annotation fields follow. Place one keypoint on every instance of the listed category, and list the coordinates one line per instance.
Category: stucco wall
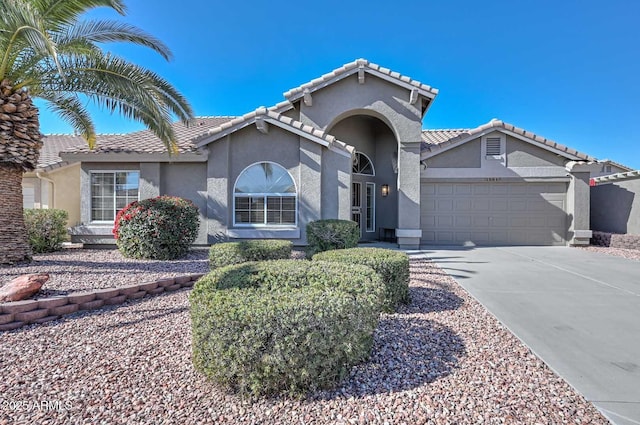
(66, 191)
(615, 207)
(523, 154)
(303, 159)
(467, 155)
(187, 181)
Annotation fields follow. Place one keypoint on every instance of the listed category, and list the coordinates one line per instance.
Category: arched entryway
(374, 194)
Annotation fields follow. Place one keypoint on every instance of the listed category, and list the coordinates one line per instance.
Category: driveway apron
(579, 311)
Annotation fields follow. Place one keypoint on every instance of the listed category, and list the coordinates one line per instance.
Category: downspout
(53, 189)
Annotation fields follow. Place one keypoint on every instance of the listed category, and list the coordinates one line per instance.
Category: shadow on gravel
(408, 352)
(427, 300)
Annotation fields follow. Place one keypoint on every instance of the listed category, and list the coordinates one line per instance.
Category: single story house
(347, 145)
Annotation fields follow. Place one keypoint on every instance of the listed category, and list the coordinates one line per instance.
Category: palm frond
(108, 32)
(71, 110)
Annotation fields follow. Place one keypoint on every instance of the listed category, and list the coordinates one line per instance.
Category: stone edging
(16, 314)
(614, 240)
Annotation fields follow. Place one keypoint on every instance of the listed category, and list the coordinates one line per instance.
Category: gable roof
(146, 142)
(364, 66)
(272, 116)
(437, 141)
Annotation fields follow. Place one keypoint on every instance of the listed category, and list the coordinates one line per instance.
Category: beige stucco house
(347, 145)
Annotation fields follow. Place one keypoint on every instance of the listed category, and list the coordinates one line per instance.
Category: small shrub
(225, 254)
(392, 266)
(46, 229)
(283, 326)
(324, 235)
(161, 228)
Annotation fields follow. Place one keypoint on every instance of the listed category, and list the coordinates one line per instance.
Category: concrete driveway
(577, 310)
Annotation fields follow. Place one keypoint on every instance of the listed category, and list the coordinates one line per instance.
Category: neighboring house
(608, 167)
(615, 203)
(347, 145)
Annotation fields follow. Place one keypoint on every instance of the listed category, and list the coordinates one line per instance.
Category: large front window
(111, 191)
(265, 194)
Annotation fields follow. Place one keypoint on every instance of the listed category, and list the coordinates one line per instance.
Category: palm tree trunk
(14, 247)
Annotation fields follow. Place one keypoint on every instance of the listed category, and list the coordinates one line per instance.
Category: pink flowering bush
(161, 228)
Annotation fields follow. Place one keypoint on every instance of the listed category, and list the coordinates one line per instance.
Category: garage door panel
(499, 221)
(463, 204)
(463, 221)
(480, 204)
(444, 189)
(499, 204)
(494, 213)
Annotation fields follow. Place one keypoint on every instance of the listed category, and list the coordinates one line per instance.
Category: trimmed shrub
(46, 229)
(284, 326)
(392, 266)
(324, 235)
(228, 253)
(161, 228)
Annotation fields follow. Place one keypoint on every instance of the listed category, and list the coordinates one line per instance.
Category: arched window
(265, 194)
(362, 164)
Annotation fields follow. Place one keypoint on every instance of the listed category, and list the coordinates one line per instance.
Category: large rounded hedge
(161, 228)
(324, 235)
(225, 254)
(392, 266)
(284, 326)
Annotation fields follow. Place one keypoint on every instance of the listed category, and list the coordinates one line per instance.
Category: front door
(356, 204)
(363, 208)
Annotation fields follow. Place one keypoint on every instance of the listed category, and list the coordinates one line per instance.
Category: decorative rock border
(614, 240)
(16, 314)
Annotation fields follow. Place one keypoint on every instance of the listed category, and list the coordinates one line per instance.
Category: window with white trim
(265, 195)
(111, 191)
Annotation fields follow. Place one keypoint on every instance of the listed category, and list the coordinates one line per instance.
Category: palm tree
(48, 51)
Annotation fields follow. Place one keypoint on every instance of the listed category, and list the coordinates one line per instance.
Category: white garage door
(494, 213)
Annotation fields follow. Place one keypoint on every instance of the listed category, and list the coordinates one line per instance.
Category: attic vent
(494, 147)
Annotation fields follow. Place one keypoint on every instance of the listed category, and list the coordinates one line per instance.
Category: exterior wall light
(385, 189)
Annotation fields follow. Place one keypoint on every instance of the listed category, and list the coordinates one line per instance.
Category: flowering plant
(161, 228)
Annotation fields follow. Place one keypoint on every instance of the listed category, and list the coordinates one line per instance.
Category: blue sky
(567, 70)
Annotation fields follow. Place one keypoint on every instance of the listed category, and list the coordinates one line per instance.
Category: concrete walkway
(579, 311)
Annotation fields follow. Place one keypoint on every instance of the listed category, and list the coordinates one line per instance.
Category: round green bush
(392, 266)
(324, 235)
(46, 229)
(161, 228)
(284, 326)
(225, 254)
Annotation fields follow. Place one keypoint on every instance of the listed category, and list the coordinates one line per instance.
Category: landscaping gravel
(630, 254)
(75, 270)
(441, 359)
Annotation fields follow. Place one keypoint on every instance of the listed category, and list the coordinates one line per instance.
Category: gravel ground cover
(76, 270)
(441, 359)
(631, 254)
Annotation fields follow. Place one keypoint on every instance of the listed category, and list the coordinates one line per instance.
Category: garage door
(494, 213)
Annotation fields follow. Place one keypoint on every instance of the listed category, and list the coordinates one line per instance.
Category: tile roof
(434, 137)
(273, 116)
(145, 141)
(438, 140)
(354, 67)
(53, 144)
